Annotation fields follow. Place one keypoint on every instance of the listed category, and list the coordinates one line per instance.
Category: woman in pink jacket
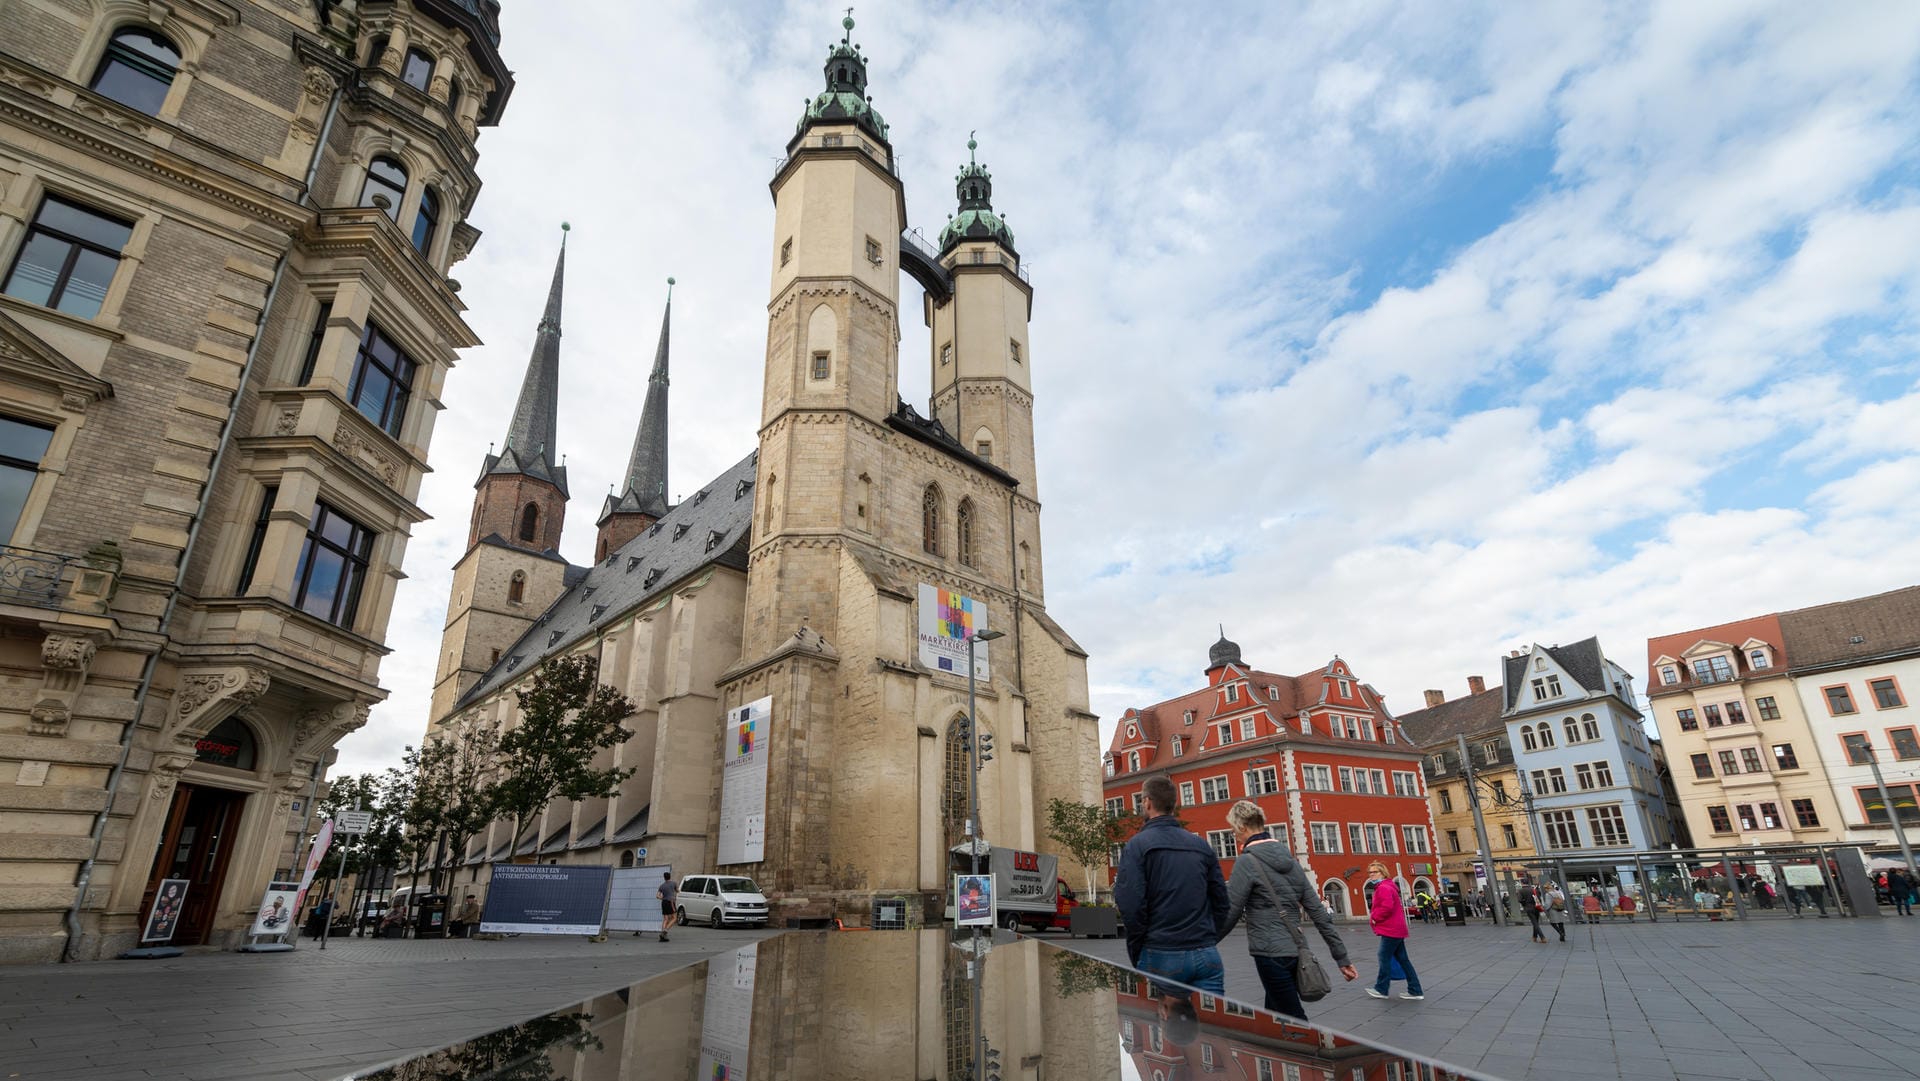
(1389, 915)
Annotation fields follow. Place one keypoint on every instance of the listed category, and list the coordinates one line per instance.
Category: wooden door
(196, 845)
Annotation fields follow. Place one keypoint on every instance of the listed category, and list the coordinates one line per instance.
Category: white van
(719, 900)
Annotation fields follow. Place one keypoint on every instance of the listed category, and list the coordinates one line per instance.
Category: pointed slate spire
(532, 434)
(644, 489)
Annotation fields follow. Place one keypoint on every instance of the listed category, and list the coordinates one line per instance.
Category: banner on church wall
(726, 1015)
(947, 619)
(743, 783)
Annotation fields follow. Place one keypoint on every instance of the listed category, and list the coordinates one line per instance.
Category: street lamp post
(1893, 813)
(973, 752)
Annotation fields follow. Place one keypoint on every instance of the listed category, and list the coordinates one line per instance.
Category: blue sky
(1411, 333)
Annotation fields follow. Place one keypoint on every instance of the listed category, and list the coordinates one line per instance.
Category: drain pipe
(84, 878)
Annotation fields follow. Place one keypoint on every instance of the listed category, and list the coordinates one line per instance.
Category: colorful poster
(947, 619)
(973, 900)
(726, 1017)
(166, 910)
(743, 783)
(277, 906)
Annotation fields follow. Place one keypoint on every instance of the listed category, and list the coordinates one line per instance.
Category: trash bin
(1453, 912)
(430, 919)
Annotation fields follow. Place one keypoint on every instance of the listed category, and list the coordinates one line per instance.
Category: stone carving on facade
(319, 85)
(167, 769)
(287, 422)
(206, 697)
(64, 659)
(318, 729)
(75, 402)
(349, 442)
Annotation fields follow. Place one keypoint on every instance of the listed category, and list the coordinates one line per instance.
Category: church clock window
(417, 69)
(930, 520)
(386, 178)
(963, 531)
(426, 220)
(530, 522)
(137, 70)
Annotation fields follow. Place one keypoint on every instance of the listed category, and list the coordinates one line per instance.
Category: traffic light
(993, 1064)
(986, 747)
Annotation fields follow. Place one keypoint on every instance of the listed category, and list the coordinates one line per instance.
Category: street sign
(639, 854)
(352, 821)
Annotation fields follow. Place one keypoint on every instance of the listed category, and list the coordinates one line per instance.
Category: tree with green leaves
(1088, 832)
(567, 717)
(453, 790)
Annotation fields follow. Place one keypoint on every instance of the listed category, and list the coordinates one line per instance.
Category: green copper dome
(845, 99)
(975, 219)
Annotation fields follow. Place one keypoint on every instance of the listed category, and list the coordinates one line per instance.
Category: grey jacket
(1247, 895)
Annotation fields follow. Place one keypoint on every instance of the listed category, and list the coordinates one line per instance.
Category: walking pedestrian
(1271, 890)
(1172, 896)
(1530, 904)
(669, 895)
(1557, 909)
(1389, 918)
(1900, 891)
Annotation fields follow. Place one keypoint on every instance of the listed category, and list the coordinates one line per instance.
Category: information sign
(743, 783)
(947, 619)
(353, 821)
(542, 899)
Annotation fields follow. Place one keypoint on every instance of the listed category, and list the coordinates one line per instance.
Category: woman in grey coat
(1251, 893)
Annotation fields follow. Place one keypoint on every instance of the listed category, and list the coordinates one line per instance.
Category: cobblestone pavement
(311, 1013)
(1767, 1000)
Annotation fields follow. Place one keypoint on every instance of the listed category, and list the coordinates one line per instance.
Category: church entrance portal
(196, 845)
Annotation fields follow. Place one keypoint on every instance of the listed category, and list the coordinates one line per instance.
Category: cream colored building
(795, 574)
(225, 326)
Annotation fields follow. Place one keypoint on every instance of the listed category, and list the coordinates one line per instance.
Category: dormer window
(1133, 761)
(1233, 692)
(1669, 675)
(1179, 746)
(1188, 717)
(1346, 689)
(1133, 732)
(1546, 687)
(1715, 669)
(1758, 659)
(652, 577)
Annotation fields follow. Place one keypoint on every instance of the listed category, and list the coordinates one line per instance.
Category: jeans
(1276, 975)
(1533, 916)
(1391, 948)
(1199, 968)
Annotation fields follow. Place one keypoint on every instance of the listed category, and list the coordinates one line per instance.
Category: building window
(1713, 670)
(1545, 731)
(1590, 727)
(1736, 713)
(1346, 778)
(1839, 700)
(1688, 723)
(1859, 750)
(1133, 761)
(1562, 830)
(1729, 765)
(1573, 730)
(1769, 709)
(1222, 843)
(1416, 839)
(873, 252)
(1703, 766)
(1509, 836)
(1603, 775)
(1717, 816)
(271, 493)
(786, 251)
(1013, 350)
(1546, 687)
(1326, 836)
(1186, 793)
(1527, 741)
(1316, 778)
(1583, 776)
(1453, 840)
(930, 520)
(1116, 807)
(1223, 732)
(333, 566)
(426, 220)
(1405, 783)
(382, 381)
(1446, 801)
(1263, 782)
(388, 178)
(137, 70)
(822, 365)
(529, 522)
(1886, 693)
(1247, 730)
(1356, 838)
(1714, 719)
(1750, 760)
(1770, 816)
(983, 448)
(1179, 746)
(416, 70)
(1783, 756)
(1499, 791)
(68, 259)
(1233, 692)
(953, 789)
(312, 358)
(1744, 812)
(963, 531)
(1669, 675)
(1804, 815)
(946, 353)
(22, 445)
(1214, 789)
(1758, 659)
(1904, 744)
(1608, 826)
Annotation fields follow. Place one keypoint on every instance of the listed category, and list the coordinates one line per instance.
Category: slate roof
(1472, 716)
(910, 423)
(710, 527)
(1887, 624)
(532, 445)
(1582, 660)
(644, 489)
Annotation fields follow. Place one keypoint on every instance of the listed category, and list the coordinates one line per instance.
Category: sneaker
(1410, 997)
(1376, 994)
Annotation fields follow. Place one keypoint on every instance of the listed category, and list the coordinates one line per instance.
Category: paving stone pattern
(310, 1014)
(1776, 1000)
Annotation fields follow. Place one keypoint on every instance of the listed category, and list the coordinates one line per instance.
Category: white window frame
(1223, 844)
(1553, 822)
(1416, 840)
(1186, 793)
(1179, 747)
(1346, 779)
(1406, 783)
(1316, 778)
(1615, 823)
(1248, 727)
(1262, 781)
(1207, 788)
(1224, 732)
(1325, 837)
(1603, 774)
(1378, 778)
(1233, 692)
(1356, 837)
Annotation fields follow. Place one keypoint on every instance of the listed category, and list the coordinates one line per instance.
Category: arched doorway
(1334, 893)
(198, 838)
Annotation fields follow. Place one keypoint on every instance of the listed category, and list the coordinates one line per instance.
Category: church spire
(531, 436)
(642, 497)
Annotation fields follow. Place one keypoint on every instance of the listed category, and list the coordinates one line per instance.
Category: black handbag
(1309, 979)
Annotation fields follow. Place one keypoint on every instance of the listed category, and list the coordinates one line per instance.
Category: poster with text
(276, 909)
(947, 619)
(973, 900)
(165, 916)
(544, 899)
(743, 783)
(726, 1020)
(634, 904)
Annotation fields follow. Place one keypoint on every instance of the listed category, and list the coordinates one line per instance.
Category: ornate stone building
(225, 327)
(797, 574)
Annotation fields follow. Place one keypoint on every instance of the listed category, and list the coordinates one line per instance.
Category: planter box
(1088, 922)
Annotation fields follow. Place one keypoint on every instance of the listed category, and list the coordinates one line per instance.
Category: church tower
(863, 509)
(512, 570)
(642, 500)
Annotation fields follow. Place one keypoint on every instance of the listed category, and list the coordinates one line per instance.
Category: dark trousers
(1276, 975)
(1390, 949)
(1533, 916)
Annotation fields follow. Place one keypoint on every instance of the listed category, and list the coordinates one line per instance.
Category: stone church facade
(225, 326)
(795, 575)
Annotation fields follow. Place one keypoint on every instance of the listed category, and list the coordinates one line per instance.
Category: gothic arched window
(517, 587)
(953, 787)
(530, 522)
(137, 69)
(930, 520)
(963, 532)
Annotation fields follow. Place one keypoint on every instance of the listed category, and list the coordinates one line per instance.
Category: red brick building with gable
(1338, 778)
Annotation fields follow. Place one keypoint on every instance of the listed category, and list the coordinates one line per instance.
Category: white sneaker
(1410, 998)
(1375, 994)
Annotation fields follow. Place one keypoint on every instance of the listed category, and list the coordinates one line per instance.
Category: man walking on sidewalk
(1172, 896)
(669, 895)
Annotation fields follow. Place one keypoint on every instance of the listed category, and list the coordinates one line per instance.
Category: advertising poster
(277, 906)
(1033, 880)
(1803, 874)
(634, 904)
(166, 910)
(947, 619)
(973, 900)
(321, 842)
(743, 783)
(543, 899)
(726, 1022)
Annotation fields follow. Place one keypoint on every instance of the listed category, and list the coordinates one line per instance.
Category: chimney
(1435, 698)
(1513, 653)
(1476, 684)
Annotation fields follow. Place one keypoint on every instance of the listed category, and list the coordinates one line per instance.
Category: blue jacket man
(1172, 896)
